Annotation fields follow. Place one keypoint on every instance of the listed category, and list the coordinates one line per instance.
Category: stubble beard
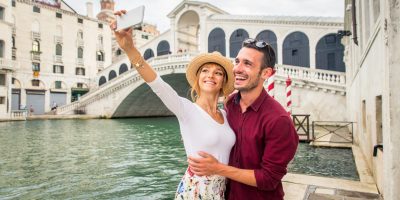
(251, 85)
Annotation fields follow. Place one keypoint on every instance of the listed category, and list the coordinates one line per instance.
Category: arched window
(296, 50)
(58, 49)
(329, 53)
(100, 56)
(123, 68)
(119, 52)
(148, 54)
(1, 49)
(216, 41)
(80, 52)
(163, 48)
(102, 80)
(269, 37)
(111, 75)
(35, 46)
(80, 35)
(236, 40)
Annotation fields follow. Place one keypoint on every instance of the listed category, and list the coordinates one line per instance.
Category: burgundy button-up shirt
(266, 142)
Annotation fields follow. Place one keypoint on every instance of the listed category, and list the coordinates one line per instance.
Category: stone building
(373, 91)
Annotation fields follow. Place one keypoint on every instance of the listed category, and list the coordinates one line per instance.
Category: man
(266, 139)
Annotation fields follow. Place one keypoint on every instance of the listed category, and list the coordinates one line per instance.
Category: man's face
(247, 69)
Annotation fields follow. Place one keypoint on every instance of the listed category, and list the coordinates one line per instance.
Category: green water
(114, 159)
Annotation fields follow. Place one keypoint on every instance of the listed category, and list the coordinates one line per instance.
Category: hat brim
(215, 57)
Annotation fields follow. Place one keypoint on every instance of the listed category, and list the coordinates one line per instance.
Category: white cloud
(157, 10)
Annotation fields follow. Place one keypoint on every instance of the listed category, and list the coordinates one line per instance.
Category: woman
(203, 126)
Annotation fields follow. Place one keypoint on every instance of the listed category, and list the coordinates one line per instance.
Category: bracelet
(138, 64)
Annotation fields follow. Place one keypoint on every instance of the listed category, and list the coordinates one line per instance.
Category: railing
(35, 35)
(35, 56)
(79, 61)
(58, 39)
(80, 43)
(58, 59)
(19, 114)
(332, 131)
(317, 75)
(302, 125)
(8, 64)
(14, 53)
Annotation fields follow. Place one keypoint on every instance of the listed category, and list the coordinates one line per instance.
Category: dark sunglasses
(258, 43)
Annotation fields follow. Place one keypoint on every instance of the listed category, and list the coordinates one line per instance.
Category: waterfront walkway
(305, 187)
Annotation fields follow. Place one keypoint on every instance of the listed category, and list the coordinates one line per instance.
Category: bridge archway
(296, 50)
(236, 40)
(188, 31)
(269, 37)
(143, 102)
(102, 80)
(216, 41)
(112, 75)
(329, 53)
(123, 68)
(163, 48)
(148, 54)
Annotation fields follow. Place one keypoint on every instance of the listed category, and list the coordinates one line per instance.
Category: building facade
(59, 53)
(373, 92)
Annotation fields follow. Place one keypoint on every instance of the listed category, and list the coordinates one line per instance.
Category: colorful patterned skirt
(193, 187)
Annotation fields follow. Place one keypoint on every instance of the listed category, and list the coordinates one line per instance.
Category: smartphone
(132, 18)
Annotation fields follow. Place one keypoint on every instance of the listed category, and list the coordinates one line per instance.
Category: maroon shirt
(266, 142)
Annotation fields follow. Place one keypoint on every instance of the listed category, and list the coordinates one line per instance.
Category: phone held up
(133, 18)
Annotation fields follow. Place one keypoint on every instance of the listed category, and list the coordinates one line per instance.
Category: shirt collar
(257, 103)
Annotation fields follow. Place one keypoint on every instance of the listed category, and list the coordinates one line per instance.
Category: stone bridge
(320, 93)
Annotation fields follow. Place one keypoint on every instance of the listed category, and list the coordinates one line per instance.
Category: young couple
(240, 152)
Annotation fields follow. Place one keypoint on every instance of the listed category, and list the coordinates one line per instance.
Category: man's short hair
(269, 58)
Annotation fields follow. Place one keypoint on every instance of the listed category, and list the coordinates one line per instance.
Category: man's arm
(208, 165)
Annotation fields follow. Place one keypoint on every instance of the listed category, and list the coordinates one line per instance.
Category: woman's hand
(123, 37)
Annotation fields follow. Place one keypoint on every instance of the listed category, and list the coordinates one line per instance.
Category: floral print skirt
(193, 187)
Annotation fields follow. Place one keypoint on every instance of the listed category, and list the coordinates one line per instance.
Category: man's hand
(205, 166)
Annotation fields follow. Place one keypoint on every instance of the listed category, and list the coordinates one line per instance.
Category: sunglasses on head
(258, 43)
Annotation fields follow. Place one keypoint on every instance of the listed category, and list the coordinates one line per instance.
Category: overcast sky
(156, 10)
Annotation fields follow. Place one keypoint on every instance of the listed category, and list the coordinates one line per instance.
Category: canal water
(140, 158)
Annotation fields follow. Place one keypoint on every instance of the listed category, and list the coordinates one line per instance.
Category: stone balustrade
(180, 61)
(19, 114)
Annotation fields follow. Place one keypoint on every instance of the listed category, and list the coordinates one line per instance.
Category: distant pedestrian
(54, 106)
(31, 110)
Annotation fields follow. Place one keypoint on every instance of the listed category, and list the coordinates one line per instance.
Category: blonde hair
(195, 90)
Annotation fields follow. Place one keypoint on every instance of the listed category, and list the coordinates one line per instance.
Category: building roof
(279, 19)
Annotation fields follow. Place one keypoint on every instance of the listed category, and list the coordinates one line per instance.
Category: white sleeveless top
(200, 132)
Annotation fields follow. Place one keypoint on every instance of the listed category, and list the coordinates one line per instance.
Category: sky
(156, 11)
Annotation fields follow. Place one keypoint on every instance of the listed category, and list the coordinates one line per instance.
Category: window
(119, 52)
(58, 50)
(36, 46)
(13, 3)
(80, 52)
(2, 100)
(13, 42)
(295, 52)
(379, 119)
(100, 56)
(330, 39)
(58, 15)
(79, 85)
(80, 35)
(80, 20)
(100, 25)
(331, 60)
(58, 85)
(35, 82)
(1, 13)
(1, 48)
(36, 67)
(145, 37)
(2, 79)
(13, 81)
(58, 69)
(80, 71)
(36, 9)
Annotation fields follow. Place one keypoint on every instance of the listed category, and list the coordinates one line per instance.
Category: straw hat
(214, 57)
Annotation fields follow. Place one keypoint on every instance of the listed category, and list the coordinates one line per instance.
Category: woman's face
(211, 78)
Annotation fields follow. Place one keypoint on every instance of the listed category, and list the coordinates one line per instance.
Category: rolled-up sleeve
(281, 142)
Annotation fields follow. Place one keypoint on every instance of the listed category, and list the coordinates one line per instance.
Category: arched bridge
(315, 92)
